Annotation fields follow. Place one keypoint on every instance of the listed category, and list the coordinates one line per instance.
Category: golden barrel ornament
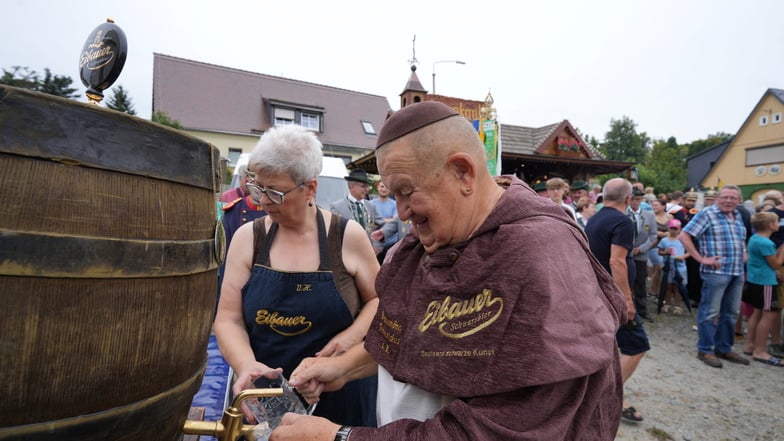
(102, 59)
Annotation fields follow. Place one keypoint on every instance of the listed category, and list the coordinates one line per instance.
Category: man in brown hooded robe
(478, 335)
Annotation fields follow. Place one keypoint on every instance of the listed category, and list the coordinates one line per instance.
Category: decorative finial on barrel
(102, 59)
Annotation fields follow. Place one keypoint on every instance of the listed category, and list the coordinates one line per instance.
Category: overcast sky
(683, 68)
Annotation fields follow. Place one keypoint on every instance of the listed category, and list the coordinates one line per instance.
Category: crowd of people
(431, 312)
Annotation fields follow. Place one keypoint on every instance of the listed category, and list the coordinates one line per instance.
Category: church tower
(413, 92)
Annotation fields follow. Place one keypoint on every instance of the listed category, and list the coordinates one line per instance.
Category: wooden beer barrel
(108, 271)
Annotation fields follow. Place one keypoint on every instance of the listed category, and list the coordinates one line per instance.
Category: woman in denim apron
(299, 282)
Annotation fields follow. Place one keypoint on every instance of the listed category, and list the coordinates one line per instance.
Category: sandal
(677, 310)
(631, 414)
(773, 361)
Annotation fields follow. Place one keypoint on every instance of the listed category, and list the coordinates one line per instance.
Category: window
(776, 117)
(367, 126)
(234, 155)
(763, 121)
(284, 117)
(764, 155)
(309, 121)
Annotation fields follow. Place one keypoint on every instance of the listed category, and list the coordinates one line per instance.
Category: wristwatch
(343, 433)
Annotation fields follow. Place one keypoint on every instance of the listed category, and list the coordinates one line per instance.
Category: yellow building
(754, 158)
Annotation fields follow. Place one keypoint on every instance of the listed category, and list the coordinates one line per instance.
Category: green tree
(25, 78)
(120, 101)
(21, 77)
(58, 85)
(162, 118)
(623, 143)
(666, 168)
(703, 144)
(592, 141)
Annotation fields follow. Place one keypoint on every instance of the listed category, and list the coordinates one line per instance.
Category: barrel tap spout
(230, 427)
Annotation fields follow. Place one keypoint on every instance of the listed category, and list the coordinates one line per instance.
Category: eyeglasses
(275, 196)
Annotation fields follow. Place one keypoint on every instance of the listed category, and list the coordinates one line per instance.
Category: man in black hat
(578, 189)
(356, 205)
(541, 189)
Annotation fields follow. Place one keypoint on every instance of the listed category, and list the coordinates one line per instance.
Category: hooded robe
(517, 323)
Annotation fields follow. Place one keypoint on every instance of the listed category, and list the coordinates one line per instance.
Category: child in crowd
(761, 284)
(675, 256)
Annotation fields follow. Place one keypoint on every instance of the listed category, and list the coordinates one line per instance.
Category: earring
(310, 203)
(468, 190)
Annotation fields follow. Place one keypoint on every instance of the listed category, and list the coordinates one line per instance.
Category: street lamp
(434, 70)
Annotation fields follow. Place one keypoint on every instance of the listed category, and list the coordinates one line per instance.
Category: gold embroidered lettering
(443, 312)
(304, 287)
(295, 325)
(388, 335)
(391, 323)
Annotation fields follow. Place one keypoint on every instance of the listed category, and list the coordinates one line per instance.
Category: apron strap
(322, 238)
(259, 234)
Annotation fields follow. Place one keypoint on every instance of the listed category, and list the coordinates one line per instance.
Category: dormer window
(284, 117)
(286, 114)
(367, 126)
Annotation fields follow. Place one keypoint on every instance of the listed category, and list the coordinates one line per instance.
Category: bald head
(412, 118)
(432, 143)
(615, 192)
(435, 166)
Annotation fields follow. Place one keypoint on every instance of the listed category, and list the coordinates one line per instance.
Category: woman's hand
(245, 380)
(339, 344)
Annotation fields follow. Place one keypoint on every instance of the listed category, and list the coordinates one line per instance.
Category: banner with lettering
(488, 133)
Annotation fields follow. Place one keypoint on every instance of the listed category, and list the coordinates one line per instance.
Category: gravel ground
(681, 398)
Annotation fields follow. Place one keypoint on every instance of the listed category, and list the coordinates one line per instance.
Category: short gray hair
(616, 189)
(291, 150)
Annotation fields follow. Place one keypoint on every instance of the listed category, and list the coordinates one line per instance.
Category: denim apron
(292, 315)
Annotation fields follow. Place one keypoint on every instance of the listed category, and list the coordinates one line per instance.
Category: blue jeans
(720, 298)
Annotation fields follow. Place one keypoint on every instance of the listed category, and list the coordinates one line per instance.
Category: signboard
(488, 133)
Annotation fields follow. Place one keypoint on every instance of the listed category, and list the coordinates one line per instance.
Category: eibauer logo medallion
(102, 58)
(461, 318)
(98, 53)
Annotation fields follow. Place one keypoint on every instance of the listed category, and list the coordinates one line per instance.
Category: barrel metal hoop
(110, 423)
(62, 256)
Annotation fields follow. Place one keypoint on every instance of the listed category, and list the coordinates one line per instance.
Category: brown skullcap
(413, 117)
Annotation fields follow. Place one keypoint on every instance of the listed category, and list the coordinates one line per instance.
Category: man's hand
(316, 375)
(294, 427)
(631, 312)
(711, 262)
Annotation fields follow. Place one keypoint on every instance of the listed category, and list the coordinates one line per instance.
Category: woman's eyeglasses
(275, 196)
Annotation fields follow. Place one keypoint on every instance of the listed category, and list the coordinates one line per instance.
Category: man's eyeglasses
(275, 196)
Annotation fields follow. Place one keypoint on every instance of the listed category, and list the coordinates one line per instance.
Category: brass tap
(230, 427)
